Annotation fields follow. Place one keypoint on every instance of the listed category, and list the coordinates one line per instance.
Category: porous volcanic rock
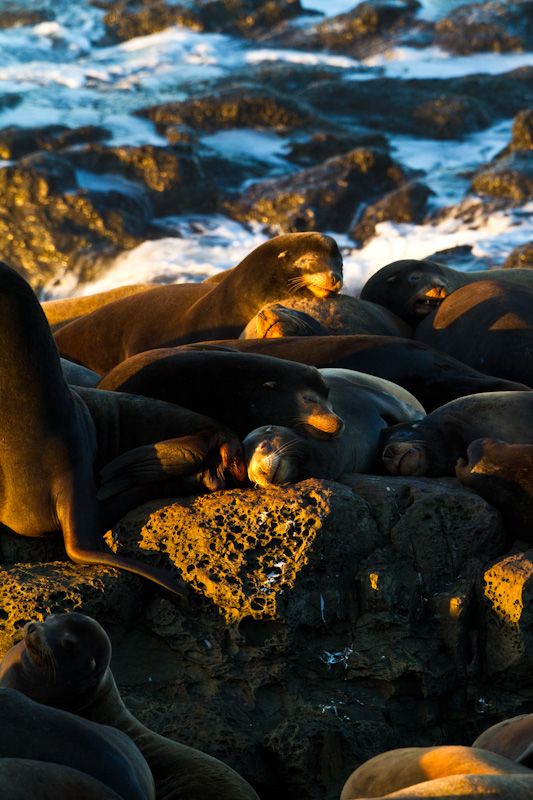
(521, 256)
(487, 27)
(327, 623)
(510, 177)
(406, 204)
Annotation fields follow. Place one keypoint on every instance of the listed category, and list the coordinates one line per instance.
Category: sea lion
(63, 310)
(31, 730)
(253, 389)
(512, 738)
(502, 474)
(24, 778)
(338, 314)
(278, 455)
(405, 767)
(52, 442)
(433, 445)
(77, 375)
(488, 325)
(495, 787)
(81, 681)
(307, 263)
(433, 377)
(412, 288)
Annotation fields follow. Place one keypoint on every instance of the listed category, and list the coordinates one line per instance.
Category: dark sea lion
(77, 375)
(277, 320)
(277, 455)
(26, 779)
(512, 738)
(405, 767)
(306, 263)
(502, 474)
(412, 288)
(488, 325)
(338, 314)
(433, 445)
(433, 377)
(31, 730)
(63, 310)
(82, 682)
(242, 390)
(51, 444)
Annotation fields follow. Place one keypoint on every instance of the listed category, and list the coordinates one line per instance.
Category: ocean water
(64, 77)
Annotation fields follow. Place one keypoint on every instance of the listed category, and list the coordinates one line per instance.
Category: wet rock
(328, 622)
(48, 224)
(233, 107)
(462, 257)
(493, 27)
(16, 141)
(522, 134)
(127, 19)
(521, 256)
(325, 197)
(424, 107)
(510, 177)
(323, 145)
(406, 204)
(368, 28)
(12, 15)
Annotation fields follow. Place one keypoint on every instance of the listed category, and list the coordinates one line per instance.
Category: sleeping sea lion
(433, 445)
(306, 263)
(278, 455)
(24, 778)
(82, 682)
(241, 390)
(63, 310)
(512, 738)
(488, 325)
(51, 444)
(338, 314)
(404, 767)
(33, 731)
(433, 377)
(502, 474)
(412, 288)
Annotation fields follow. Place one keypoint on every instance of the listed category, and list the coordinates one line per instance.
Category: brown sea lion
(404, 767)
(433, 377)
(24, 778)
(433, 445)
(276, 455)
(52, 441)
(338, 314)
(31, 730)
(412, 288)
(81, 682)
(63, 310)
(502, 474)
(254, 389)
(307, 263)
(453, 787)
(512, 738)
(488, 325)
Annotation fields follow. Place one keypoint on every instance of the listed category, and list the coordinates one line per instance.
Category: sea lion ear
(283, 254)
(92, 664)
(392, 279)
(270, 385)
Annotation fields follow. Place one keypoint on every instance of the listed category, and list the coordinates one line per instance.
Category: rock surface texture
(328, 622)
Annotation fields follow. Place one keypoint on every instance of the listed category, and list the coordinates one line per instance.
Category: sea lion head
(405, 452)
(276, 320)
(272, 454)
(313, 259)
(59, 662)
(409, 288)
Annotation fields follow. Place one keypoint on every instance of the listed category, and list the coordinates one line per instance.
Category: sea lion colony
(153, 427)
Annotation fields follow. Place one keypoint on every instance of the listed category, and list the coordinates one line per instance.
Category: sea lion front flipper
(207, 454)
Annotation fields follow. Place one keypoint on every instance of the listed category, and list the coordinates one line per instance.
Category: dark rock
(16, 141)
(521, 257)
(127, 19)
(522, 134)
(461, 257)
(320, 198)
(47, 223)
(324, 145)
(424, 107)
(510, 177)
(495, 27)
(368, 28)
(243, 106)
(328, 622)
(13, 15)
(406, 204)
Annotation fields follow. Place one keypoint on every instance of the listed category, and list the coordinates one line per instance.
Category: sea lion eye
(69, 644)
(270, 385)
(414, 277)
